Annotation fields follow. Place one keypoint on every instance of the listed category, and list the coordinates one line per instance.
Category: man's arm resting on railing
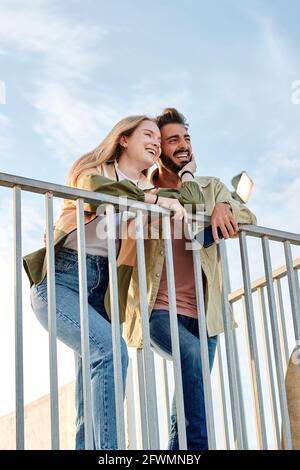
(240, 212)
(228, 213)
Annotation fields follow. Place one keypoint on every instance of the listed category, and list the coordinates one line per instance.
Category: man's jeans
(191, 375)
(68, 331)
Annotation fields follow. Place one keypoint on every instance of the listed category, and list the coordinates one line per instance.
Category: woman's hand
(174, 206)
(167, 203)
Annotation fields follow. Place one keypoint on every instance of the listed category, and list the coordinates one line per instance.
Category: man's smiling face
(176, 149)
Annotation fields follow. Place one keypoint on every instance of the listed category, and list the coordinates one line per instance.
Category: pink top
(184, 279)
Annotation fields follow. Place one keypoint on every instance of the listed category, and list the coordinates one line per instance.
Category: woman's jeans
(191, 370)
(68, 331)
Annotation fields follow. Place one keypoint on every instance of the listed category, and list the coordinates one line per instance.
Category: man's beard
(170, 164)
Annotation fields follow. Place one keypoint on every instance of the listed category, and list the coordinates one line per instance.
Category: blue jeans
(191, 370)
(68, 331)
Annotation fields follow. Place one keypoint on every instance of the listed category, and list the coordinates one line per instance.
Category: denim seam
(105, 424)
(98, 281)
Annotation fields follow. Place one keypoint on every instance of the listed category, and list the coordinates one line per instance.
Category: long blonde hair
(108, 150)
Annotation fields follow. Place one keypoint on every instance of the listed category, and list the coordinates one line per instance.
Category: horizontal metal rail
(277, 274)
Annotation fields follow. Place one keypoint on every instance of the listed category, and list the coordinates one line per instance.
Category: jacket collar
(203, 181)
(109, 171)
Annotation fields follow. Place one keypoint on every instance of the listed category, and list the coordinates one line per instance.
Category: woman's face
(143, 147)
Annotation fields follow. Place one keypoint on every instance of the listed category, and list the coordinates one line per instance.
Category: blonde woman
(116, 167)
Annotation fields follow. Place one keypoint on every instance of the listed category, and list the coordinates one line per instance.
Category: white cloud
(64, 46)
(66, 55)
(256, 100)
(5, 137)
(70, 125)
(151, 96)
(278, 166)
(147, 99)
(275, 51)
(70, 122)
(2, 91)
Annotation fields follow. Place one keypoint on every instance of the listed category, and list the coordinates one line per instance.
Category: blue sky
(70, 70)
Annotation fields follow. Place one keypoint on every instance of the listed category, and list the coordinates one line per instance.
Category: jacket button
(157, 274)
(161, 252)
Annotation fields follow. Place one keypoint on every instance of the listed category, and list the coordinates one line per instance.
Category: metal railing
(144, 423)
(274, 332)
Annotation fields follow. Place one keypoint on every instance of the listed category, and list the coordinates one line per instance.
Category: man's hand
(190, 166)
(222, 217)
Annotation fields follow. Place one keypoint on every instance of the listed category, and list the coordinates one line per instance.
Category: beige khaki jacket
(213, 191)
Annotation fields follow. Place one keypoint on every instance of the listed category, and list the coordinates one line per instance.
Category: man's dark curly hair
(171, 116)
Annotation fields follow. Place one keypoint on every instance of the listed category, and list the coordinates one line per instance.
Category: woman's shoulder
(92, 171)
(104, 169)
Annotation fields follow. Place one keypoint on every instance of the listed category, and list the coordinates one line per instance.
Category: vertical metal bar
(231, 362)
(255, 369)
(52, 322)
(142, 396)
(298, 301)
(174, 333)
(130, 401)
(269, 365)
(115, 325)
(209, 414)
(155, 414)
(297, 285)
(293, 290)
(166, 395)
(84, 326)
(223, 398)
(281, 321)
(240, 390)
(19, 372)
(149, 364)
(236, 356)
(247, 345)
(276, 345)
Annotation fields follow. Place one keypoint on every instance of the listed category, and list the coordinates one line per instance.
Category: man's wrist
(185, 174)
(227, 203)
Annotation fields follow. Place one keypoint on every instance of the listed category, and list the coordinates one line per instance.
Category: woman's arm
(97, 183)
(170, 203)
(189, 193)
